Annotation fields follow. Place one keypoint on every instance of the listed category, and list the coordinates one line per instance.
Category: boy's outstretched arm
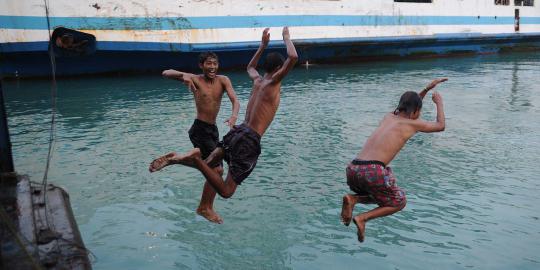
(431, 86)
(292, 57)
(252, 66)
(439, 125)
(186, 78)
(176, 75)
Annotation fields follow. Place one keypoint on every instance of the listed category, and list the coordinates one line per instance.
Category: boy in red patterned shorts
(369, 177)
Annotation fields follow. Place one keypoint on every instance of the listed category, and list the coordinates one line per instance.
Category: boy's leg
(206, 206)
(206, 138)
(193, 158)
(349, 200)
(225, 188)
(169, 159)
(215, 157)
(173, 158)
(380, 211)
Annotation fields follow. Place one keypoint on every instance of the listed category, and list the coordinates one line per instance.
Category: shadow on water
(470, 189)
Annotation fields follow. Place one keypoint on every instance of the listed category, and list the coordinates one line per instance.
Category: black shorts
(242, 147)
(204, 136)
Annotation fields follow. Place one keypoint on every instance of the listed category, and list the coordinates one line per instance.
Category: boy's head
(410, 104)
(209, 63)
(273, 62)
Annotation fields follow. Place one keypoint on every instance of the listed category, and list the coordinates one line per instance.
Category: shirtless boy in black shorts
(241, 146)
(208, 89)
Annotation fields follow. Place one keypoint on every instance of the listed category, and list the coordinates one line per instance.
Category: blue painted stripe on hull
(24, 46)
(234, 46)
(37, 63)
(172, 23)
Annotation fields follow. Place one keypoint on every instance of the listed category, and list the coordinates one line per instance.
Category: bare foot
(361, 224)
(188, 158)
(161, 162)
(347, 209)
(210, 214)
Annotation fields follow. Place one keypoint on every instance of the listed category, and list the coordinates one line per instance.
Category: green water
(472, 190)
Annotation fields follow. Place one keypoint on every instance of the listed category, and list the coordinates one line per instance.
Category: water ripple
(471, 189)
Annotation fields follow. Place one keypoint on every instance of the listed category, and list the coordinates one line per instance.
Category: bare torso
(208, 97)
(388, 139)
(263, 104)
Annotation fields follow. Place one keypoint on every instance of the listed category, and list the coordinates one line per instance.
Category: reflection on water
(471, 190)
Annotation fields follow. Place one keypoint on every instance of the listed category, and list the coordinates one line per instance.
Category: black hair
(273, 61)
(205, 55)
(410, 102)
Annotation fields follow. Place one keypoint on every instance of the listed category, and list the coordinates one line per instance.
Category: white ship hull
(144, 35)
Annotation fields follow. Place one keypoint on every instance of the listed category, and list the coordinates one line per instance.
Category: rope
(52, 128)
(53, 100)
(80, 250)
(53, 116)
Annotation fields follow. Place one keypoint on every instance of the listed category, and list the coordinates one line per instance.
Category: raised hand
(436, 97)
(286, 34)
(265, 37)
(431, 86)
(435, 82)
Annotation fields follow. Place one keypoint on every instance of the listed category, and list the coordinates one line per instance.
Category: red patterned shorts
(373, 179)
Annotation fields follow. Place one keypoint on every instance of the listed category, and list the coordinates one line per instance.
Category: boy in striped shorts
(368, 174)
